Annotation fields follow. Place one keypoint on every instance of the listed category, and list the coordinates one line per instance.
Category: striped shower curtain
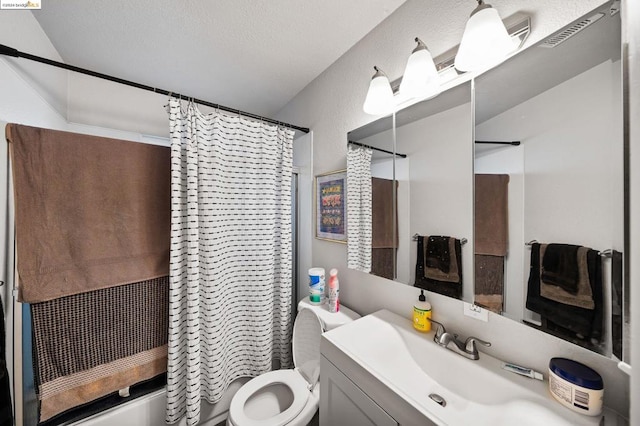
(230, 273)
(359, 215)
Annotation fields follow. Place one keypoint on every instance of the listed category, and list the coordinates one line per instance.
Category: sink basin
(476, 392)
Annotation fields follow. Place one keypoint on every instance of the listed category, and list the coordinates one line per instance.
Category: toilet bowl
(290, 397)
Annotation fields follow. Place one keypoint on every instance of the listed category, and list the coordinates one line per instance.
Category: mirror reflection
(549, 208)
(433, 195)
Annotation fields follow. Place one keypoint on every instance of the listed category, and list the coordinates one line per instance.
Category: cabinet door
(343, 403)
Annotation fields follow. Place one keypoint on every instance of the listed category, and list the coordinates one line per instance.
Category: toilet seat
(301, 381)
(291, 378)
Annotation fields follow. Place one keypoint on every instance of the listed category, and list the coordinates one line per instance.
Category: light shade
(379, 98)
(420, 77)
(485, 41)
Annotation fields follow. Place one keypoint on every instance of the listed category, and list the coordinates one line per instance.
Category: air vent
(565, 35)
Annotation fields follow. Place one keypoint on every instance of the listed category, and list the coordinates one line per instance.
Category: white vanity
(378, 370)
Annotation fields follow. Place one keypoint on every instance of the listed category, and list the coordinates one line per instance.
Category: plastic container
(576, 386)
(422, 313)
(334, 291)
(316, 286)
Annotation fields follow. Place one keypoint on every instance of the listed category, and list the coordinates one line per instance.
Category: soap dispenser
(422, 313)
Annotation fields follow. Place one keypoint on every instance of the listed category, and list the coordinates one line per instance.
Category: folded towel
(560, 266)
(489, 282)
(437, 255)
(447, 288)
(584, 297)
(582, 322)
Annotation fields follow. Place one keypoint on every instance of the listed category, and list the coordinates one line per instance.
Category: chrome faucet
(467, 349)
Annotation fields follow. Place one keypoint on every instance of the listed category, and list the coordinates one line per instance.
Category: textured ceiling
(253, 55)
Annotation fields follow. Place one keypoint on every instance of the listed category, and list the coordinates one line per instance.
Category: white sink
(476, 392)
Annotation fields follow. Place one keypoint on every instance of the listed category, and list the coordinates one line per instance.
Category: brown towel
(382, 262)
(383, 232)
(560, 266)
(441, 264)
(491, 214)
(91, 212)
(584, 296)
(92, 344)
(489, 283)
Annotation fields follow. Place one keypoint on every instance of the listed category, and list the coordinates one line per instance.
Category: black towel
(6, 416)
(438, 253)
(560, 266)
(616, 303)
(583, 322)
(446, 288)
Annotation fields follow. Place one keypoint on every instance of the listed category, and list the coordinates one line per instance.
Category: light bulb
(379, 98)
(485, 41)
(420, 77)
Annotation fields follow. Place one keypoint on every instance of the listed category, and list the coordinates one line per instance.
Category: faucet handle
(470, 344)
(440, 330)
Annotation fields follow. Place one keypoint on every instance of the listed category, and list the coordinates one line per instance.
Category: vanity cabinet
(352, 395)
(342, 402)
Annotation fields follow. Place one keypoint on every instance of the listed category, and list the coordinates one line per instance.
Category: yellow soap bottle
(422, 313)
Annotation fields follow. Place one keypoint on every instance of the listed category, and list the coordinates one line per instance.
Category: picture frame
(331, 206)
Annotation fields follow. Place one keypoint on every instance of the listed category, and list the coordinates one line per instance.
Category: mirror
(561, 186)
(432, 179)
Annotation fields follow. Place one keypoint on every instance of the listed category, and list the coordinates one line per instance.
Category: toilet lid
(290, 378)
(307, 331)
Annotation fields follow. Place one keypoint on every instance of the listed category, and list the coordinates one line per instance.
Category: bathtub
(149, 410)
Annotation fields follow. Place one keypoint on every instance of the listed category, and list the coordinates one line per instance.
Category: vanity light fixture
(420, 77)
(379, 98)
(485, 41)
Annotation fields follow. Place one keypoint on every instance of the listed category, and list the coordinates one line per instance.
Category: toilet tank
(329, 320)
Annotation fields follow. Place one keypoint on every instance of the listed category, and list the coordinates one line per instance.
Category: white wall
(332, 106)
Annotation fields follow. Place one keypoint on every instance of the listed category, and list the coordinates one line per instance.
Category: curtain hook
(166, 107)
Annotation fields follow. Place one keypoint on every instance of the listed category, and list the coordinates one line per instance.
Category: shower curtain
(359, 218)
(230, 270)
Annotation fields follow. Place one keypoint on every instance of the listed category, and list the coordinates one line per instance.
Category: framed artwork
(331, 206)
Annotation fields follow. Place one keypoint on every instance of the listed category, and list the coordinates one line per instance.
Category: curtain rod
(514, 143)
(9, 51)
(378, 149)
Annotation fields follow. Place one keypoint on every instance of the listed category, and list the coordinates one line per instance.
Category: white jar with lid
(576, 386)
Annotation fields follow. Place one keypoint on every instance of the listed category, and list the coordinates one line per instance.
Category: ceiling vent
(565, 35)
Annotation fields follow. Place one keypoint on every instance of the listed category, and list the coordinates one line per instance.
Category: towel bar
(604, 253)
(416, 236)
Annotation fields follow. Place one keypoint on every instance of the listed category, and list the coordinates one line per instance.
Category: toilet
(290, 397)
